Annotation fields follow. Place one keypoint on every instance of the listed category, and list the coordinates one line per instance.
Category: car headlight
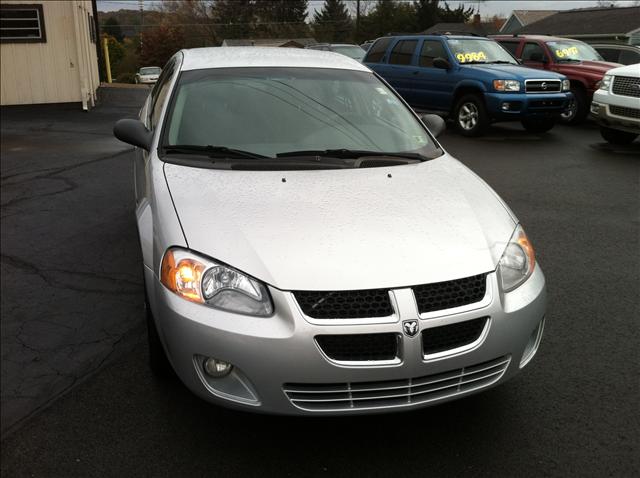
(566, 85)
(506, 85)
(517, 262)
(199, 279)
(605, 82)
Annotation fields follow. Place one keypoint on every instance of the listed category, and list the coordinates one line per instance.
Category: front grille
(349, 304)
(449, 294)
(546, 104)
(623, 111)
(395, 393)
(452, 336)
(359, 347)
(542, 86)
(626, 86)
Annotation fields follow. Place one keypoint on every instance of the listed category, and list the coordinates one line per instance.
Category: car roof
(253, 56)
(531, 37)
(439, 35)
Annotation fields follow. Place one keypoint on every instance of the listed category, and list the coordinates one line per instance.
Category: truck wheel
(615, 136)
(579, 108)
(158, 361)
(471, 116)
(538, 125)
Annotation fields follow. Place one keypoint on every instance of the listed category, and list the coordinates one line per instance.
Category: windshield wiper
(349, 154)
(210, 151)
(474, 62)
(569, 59)
(501, 62)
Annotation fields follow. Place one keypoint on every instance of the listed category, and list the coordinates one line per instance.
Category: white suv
(616, 104)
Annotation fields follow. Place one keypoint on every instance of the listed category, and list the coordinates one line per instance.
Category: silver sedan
(310, 248)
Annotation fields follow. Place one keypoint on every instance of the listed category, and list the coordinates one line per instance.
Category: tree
(282, 18)
(332, 23)
(159, 44)
(388, 16)
(454, 15)
(193, 18)
(234, 18)
(427, 14)
(112, 28)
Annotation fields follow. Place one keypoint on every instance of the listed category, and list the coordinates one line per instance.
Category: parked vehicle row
(147, 75)
(473, 80)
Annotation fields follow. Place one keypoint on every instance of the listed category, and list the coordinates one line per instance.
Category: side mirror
(441, 63)
(434, 123)
(134, 132)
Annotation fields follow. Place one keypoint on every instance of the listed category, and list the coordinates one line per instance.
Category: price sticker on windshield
(471, 56)
(566, 52)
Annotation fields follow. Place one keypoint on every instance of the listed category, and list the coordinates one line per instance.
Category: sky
(487, 8)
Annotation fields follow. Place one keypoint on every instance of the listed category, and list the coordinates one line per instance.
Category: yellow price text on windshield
(471, 56)
(571, 51)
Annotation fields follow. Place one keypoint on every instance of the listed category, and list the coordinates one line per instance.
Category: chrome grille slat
(626, 86)
(536, 86)
(367, 395)
(624, 111)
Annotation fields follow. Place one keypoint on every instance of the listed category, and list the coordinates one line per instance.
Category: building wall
(63, 69)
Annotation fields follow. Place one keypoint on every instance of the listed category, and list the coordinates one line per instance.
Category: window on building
(22, 23)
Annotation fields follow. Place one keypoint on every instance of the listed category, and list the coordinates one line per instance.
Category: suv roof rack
(455, 32)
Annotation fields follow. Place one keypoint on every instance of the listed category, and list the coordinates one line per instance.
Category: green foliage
(281, 18)
(112, 28)
(332, 23)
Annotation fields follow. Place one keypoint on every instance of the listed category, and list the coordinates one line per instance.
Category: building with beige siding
(48, 52)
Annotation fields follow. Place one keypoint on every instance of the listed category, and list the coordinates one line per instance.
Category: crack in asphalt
(46, 275)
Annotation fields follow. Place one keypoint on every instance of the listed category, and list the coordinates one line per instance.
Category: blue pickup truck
(473, 80)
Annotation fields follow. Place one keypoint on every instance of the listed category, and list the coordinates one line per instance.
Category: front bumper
(517, 106)
(270, 353)
(616, 112)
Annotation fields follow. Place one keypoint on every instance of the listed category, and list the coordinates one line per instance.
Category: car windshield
(571, 50)
(352, 51)
(152, 70)
(478, 50)
(271, 111)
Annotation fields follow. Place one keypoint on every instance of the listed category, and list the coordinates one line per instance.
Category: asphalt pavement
(70, 259)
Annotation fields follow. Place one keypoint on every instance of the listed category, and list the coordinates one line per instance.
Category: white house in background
(48, 52)
(520, 18)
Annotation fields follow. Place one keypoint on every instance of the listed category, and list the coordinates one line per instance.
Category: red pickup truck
(575, 59)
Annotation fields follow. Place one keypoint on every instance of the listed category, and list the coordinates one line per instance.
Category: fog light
(533, 344)
(595, 108)
(216, 368)
(506, 106)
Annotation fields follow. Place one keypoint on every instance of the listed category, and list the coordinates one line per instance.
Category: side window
(510, 46)
(532, 52)
(402, 52)
(159, 94)
(431, 49)
(628, 57)
(377, 50)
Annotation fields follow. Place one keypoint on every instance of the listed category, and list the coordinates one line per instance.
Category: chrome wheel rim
(571, 111)
(468, 116)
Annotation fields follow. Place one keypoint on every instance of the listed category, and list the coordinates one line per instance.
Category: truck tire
(470, 115)
(158, 361)
(580, 107)
(615, 136)
(537, 125)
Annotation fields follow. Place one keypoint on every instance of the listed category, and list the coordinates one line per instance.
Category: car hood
(592, 68)
(516, 72)
(628, 70)
(344, 229)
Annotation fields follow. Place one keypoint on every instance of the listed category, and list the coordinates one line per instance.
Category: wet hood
(344, 229)
(596, 69)
(516, 72)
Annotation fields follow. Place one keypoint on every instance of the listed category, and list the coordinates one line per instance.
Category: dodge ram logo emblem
(410, 327)
(543, 85)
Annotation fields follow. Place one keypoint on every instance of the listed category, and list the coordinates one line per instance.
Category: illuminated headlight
(566, 85)
(506, 85)
(605, 82)
(517, 262)
(199, 279)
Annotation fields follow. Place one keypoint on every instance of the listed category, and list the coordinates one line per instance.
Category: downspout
(87, 52)
(94, 9)
(81, 69)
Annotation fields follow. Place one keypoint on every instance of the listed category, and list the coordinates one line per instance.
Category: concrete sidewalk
(71, 292)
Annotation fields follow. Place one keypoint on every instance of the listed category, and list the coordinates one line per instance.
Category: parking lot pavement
(70, 264)
(573, 412)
